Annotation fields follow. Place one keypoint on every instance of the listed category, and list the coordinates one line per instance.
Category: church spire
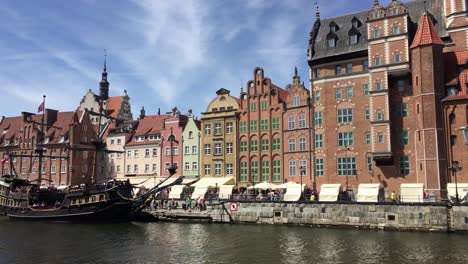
(104, 84)
(376, 3)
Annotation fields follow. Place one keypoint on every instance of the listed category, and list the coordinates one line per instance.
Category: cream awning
(412, 192)
(290, 185)
(368, 193)
(225, 191)
(329, 192)
(462, 191)
(4, 183)
(293, 194)
(199, 192)
(149, 182)
(176, 191)
(264, 186)
(213, 182)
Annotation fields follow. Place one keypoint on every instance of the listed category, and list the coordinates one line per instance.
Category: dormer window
(394, 11)
(376, 15)
(332, 43)
(333, 27)
(353, 39)
(356, 22)
(140, 138)
(7, 142)
(452, 91)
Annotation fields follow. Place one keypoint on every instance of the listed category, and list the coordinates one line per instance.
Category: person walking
(393, 196)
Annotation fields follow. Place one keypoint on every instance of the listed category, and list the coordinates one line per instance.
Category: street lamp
(254, 172)
(455, 167)
(303, 173)
(347, 168)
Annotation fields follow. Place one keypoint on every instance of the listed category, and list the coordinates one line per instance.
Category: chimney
(50, 116)
(26, 116)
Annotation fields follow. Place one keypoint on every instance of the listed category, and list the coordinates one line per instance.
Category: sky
(164, 53)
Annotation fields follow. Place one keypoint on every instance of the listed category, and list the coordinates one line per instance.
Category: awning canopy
(149, 182)
(225, 191)
(412, 192)
(213, 182)
(176, 191)
(290, 185)
(199, 192)
(4, 183)
(264, 186)
(329, 192)
(292, 194)
(368, 193)
(462, 191)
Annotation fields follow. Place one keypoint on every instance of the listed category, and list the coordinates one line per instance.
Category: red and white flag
(6, 160)
(41, 107)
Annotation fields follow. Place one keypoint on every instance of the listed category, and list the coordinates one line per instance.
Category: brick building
(378, 86)
(174, 125)
(260, 131)
(68, 141)
(297, 135)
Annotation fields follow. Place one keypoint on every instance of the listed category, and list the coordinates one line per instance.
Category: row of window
(396, 59)
(63, 169)
(135, 168)
(218, 169)
(347, 166)
(347, 138)
(264, 125)
(218, 148)
(188, 148)
(218, 129)
(348, 67)
(395, 31)
(265, 173)
(153, 152)
(265, 145)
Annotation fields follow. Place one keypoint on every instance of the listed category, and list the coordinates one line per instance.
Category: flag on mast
(41, 107)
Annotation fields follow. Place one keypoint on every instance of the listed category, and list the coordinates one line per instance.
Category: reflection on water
(220, 243)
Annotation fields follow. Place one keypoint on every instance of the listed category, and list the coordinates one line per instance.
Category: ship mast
(40, 149)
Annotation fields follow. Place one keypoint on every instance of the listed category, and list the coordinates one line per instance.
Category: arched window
(452, 118)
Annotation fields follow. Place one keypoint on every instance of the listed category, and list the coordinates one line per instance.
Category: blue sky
(165, 53)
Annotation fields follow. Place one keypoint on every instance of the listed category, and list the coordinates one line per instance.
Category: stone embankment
(409, 217)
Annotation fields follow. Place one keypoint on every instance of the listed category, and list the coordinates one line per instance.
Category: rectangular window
(349, 91)
(175, 151)
(276, 144)
(63, 169)
(229, 128)
(243, 171)
(154, 167)
(254, 170)
(291, 122)
(353, 39)
(218, 169)
(218, 149)
(402, 110)
(345, 139)
(331, 43)
(377, 61)
(376, 33)
(396, 58)
(229, 148)
(129, 153)
(401, 85)
(194, 165)
(119, 141)
(253, 107)
(369, 164)
(404, 165)
(380, 138)
(265, 170)
(207, 169)
(129, 168)
(276, 171)
(187, 150)
(229, 169)
(292, 168)
(338, 70)
(217, 129)
(318, 118)
(302, 121)
(318, 140)
(194, 149)
(378, 86)
(135, 153)
(349, 68)
(346, 166)
(317, 96)
(365, 65)
(367, 114)
(207, 129)
(264, 105)
(338, 93)
(207, 149)
(243, 146)
(135, 168)
(319, 167)
(396, 30)
(146, 167)
(155, 152)
(303, 168)
(264, 124)
(265, 145)
(296, 101)
(345, 115)
(368, 138)
(302, 144)
(292, 144)
(187, 166)
(243, 126)
(254, 145)
(317, 73)
(404, 137)
(253, 125)
(394, 11)
(275, 123)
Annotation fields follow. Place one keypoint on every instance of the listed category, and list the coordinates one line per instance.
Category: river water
(22, 242)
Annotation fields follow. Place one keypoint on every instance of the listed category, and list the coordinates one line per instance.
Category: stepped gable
(416, 9)
(426, 34)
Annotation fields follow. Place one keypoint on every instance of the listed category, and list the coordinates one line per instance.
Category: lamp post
(254, 172)
(347, 168)
(171, 139)
(455, 167)
(302, 172)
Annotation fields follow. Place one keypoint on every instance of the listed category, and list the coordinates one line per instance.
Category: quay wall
(404, 217)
